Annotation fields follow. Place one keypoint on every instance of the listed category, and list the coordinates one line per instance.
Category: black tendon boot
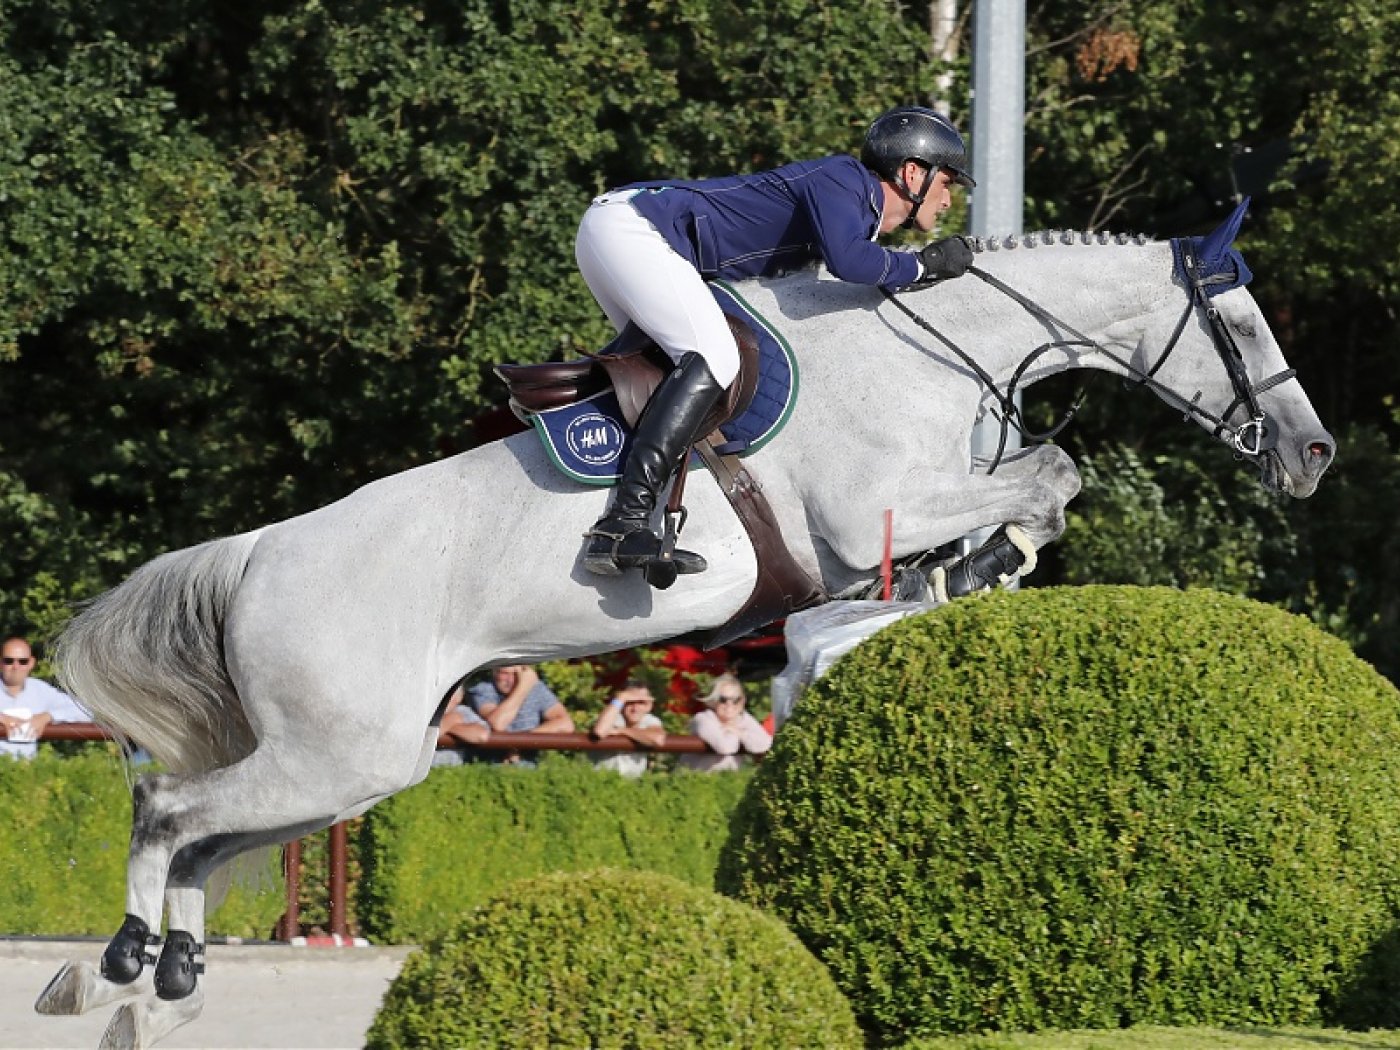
(181, 963)
(999, 558)
(129, 951)
(623, 538)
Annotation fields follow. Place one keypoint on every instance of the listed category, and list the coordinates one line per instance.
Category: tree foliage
(254, 256)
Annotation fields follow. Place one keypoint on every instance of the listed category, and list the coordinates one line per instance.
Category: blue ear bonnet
(1220, 266)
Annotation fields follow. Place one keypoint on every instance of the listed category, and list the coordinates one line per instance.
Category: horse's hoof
(66, 994)
(79, 987)
(123, 1030)
(144, 1023)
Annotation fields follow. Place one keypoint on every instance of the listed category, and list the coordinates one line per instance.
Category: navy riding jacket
(763, 224)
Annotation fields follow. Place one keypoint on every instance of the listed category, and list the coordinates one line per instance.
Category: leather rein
(1248, 439)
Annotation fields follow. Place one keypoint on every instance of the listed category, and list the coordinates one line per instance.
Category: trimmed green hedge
(63, 854)
(616, 959)
(432, 853)
(1088, 808)
(428, 854)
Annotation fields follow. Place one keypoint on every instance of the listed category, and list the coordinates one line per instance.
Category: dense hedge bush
(1088, 808)
(432, 853)
(63, 854)
(612, 958)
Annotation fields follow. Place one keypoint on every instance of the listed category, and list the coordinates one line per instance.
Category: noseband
(1250, 438)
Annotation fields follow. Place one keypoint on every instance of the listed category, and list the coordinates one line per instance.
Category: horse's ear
(1216, 243)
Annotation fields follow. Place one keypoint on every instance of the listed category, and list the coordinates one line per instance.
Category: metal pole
(998, 155)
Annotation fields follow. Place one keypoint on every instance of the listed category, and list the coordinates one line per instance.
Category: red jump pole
(886, 567)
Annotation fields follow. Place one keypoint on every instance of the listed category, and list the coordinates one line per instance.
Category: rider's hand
(949, 257)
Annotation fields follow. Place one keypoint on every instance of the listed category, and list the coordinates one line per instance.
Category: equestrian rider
(647, 250)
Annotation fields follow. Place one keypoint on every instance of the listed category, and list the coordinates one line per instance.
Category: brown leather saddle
(633, 365)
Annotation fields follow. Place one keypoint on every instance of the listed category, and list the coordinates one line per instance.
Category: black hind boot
(623, 537)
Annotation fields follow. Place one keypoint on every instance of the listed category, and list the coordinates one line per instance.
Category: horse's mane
(1039, 237)
(1016, 240)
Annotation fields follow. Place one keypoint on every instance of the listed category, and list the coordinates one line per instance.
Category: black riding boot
(623, 538)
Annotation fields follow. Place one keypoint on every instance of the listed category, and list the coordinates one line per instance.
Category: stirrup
(611, 551)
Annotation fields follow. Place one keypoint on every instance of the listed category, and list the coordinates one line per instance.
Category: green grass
(1153, 1038)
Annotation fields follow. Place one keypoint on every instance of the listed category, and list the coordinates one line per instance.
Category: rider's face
(937, 200)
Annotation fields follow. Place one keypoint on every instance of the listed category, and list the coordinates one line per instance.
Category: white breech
(635, 275)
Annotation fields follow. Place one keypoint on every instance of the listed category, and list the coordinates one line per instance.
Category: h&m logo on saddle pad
(588, 440)
(594, 438)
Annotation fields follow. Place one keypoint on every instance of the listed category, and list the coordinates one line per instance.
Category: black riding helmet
(919, 134)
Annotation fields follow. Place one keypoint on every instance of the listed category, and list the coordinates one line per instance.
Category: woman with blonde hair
(727, 728)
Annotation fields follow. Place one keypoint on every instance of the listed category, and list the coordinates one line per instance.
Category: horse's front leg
(1051, 480)
(1026, 497)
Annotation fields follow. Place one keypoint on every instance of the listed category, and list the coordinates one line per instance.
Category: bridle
(1251, 438)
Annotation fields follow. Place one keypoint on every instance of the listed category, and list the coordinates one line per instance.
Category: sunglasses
(731, 699)
(16, 660)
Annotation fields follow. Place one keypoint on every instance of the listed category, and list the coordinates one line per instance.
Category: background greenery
(433, 853)
(253, 256)
(63, 856)
(417, 862)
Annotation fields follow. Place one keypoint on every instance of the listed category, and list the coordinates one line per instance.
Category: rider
(647, 250)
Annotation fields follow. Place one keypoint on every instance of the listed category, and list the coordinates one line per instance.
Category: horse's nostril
(1320, 450)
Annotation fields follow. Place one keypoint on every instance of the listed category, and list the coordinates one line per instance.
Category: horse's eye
(1245, 328)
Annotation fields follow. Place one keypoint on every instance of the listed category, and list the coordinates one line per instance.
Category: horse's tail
(147, 658)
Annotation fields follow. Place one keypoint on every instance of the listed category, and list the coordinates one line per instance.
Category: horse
(239, 663)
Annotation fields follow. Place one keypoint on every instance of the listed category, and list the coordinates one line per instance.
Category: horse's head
(1223, 362)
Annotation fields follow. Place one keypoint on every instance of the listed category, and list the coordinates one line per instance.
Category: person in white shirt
(728, 729)
(28, 705)
(628, 714)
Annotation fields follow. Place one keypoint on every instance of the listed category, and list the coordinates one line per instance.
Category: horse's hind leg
(125, 968)
(183, 827)
(179, 996)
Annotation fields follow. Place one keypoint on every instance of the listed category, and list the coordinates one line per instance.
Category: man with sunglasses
(27, 704)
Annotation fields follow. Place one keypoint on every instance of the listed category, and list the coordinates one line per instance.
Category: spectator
(726, 728)
(628, 715)
(516, 701)
(28, 705)
(459, 731)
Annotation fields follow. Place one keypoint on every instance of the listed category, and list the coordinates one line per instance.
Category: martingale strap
(783, 586)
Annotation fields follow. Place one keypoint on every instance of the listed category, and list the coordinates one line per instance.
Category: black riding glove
(949, 257)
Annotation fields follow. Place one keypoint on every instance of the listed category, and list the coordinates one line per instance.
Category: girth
(632, 365)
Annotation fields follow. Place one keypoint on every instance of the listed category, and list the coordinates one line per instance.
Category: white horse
(244, 664)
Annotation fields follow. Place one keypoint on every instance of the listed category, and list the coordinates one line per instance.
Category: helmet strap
(917, 199)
